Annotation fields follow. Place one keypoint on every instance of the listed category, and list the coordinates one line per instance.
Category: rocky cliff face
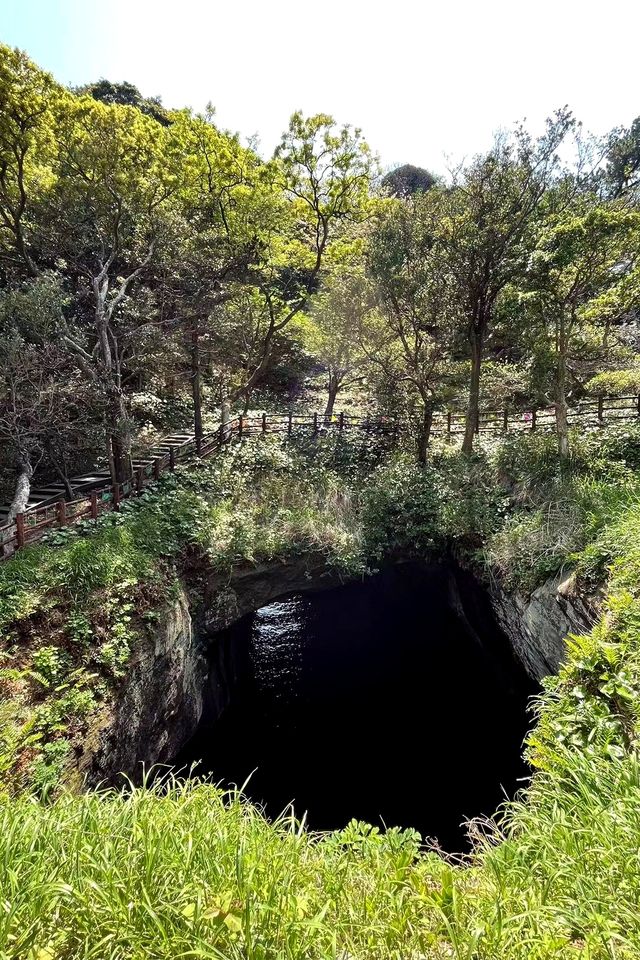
(185, 663)
(158, 705)
(538, 625)
(227, 599)
(181, 664)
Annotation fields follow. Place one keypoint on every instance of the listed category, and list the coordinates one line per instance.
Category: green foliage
(101, 197)
(452, 503)
(406, 180)
(557, 879)
(188, 870)
(101, 585)
(565, 508)
(49, 766)
(48, 663)
(128, 95)
(615, 382)
(352, 454)
(400, 511)
(563, 883)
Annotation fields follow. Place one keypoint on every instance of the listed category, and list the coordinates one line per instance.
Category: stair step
(83, 481)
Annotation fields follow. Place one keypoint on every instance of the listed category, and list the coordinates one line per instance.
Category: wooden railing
(34, 523)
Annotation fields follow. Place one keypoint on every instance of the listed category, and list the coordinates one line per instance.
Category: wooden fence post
(240, 425)
(94, 505)
(639, 404)
(534, 413)
(448, 421)
(315, 423)
(289, 424)
(264, 423)
(198, 444)
(156, 468)
(140, 479)
(341, 422)
(505, 420)
(115, 491)
(172, 458)
(61, 510)
(20, 531)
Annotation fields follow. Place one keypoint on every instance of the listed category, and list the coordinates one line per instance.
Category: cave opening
(395, 700)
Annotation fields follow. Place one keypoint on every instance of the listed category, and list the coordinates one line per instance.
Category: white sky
(422, 79)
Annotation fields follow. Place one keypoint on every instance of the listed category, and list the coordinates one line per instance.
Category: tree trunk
(196, 386)
(23, 486)
(562, 420)
(424, 434)
(225, 417)
(473, 409)
(119, 438)
(61, 472)
(334, 386)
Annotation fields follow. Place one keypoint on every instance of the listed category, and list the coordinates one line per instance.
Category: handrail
(34, 523)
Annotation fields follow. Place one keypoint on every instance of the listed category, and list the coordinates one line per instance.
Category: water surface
(375, 700)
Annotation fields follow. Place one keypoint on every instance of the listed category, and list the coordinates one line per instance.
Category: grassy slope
(71, 610)
(190, 873)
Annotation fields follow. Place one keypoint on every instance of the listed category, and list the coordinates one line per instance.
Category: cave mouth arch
(394, 699)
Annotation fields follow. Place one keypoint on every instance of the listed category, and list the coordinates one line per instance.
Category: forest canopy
(155, 272)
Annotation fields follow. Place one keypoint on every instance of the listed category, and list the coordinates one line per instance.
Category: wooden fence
(34, 523)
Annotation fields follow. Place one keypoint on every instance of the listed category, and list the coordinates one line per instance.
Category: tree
(488, 222)
(584, 273)
(404, 181)
(622, 167)
(316, 185)
(38, 395)
(337, 314)
(127, 95)
(221, 204)
(27, 99)
(421, 304)
(104, 217)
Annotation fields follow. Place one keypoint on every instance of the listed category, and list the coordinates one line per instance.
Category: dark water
(377, 701)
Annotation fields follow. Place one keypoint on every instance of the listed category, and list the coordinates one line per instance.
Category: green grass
(186, 871)
(190, 872)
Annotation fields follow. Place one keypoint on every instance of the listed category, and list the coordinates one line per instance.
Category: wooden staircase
(84, 483)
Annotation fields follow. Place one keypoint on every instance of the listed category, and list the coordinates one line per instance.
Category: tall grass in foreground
(565, 884)
(192, 872)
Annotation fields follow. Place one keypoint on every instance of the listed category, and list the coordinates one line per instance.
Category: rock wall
(182, 663)
(227, 599)
(537, 625)
(185, 663)
(158, 705)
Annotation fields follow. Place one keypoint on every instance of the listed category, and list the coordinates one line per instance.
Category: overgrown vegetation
(93, 588)
(154, 273)
(556, 879)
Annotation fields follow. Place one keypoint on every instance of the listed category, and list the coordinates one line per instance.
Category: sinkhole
(395, 700)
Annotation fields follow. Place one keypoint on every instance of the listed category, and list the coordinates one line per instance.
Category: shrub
(401, 510)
